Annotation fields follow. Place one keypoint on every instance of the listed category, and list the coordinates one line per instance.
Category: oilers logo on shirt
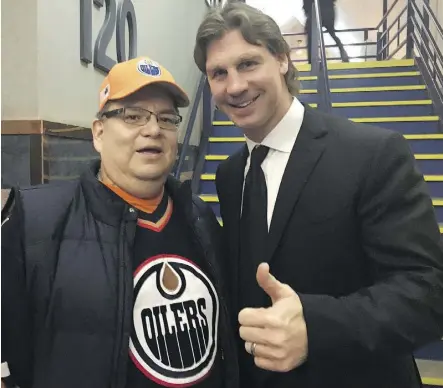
(175, 321)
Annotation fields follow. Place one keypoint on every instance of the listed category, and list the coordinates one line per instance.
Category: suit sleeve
(403, 309)
(16, 344)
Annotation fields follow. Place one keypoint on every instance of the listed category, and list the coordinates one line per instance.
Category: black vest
(76, 249)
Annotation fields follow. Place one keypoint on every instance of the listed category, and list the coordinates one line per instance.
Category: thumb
(275, 289)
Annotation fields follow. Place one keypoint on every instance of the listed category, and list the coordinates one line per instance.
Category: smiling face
(247, 83)
(131, 152)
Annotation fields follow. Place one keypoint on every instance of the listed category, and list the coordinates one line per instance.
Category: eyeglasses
(140, 116)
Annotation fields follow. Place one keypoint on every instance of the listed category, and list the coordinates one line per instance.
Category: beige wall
(437, 7)
(42, 74)
(19, 59)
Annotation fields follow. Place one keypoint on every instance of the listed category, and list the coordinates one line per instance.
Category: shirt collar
(283, 136)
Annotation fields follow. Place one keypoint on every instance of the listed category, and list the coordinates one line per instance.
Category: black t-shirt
(174, 340)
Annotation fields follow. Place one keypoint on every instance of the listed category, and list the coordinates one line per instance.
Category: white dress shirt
(280, 141)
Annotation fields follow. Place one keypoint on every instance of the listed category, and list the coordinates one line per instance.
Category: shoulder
(46, 196)
(232, 163)
(201, 208)
(41, 206)
(351, 134)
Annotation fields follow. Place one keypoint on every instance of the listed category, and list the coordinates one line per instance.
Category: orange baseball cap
(125, 78)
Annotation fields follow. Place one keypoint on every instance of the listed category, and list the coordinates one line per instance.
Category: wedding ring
(253, 346)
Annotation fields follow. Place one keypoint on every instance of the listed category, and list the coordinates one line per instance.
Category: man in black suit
(337, 210)
(327, 14)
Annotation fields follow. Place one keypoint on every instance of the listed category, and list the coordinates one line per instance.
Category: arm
(403, 309)
(16, 323)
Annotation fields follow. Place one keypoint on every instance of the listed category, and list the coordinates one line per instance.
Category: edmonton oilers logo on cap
(147, 67)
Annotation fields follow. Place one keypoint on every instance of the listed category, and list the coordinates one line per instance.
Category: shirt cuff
(5, 370)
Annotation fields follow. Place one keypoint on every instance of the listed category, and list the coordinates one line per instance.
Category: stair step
(212, 200)
(417, 156)
(379, 93)
(430, 382)
(362, 76)
(420, 143)
(361, 65)
(393, 88)
(406, 125)
(365, 80)
(427, 136)
(364, 120)
(428, 164)
(370, 109)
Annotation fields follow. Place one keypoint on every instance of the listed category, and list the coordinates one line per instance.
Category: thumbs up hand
(275, 336)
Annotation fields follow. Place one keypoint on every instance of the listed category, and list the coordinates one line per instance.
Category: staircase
(390, 94)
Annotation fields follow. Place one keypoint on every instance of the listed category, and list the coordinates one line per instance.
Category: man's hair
(256, 27)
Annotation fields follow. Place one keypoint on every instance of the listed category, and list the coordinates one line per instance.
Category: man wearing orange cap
(114, 280)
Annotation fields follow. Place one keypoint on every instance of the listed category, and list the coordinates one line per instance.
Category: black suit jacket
(354, 233)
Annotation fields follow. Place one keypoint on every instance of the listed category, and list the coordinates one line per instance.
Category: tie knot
(258, 155)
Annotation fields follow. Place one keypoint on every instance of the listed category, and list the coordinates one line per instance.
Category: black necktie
(253, 236)
(253, 227)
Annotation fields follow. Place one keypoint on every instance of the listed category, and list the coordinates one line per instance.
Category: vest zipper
(117, 381)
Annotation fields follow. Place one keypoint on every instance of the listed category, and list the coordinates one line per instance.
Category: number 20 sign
(116, 18)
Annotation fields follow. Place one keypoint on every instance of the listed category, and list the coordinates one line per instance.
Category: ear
(97, 134)
(284, 63)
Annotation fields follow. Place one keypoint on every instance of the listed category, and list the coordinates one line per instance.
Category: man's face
(144, 152)
(247, 82)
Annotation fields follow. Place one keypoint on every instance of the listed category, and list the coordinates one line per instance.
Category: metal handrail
(397, 34)
(208, 113)
(323, 78)
(385, 17)
(190, 126)
(428, 34)
(366, 29)
(339, 58)
(194, 109)
(335, 45)
(436, 87)
(399, 47)
(434, 18)
(394, 21)
(428, 53)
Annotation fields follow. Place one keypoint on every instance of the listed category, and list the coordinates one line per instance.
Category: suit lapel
(305, 154)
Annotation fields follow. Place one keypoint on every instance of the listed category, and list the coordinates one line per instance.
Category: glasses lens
(168, 121)
(136, 116)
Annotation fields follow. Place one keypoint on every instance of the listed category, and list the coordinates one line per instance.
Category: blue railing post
(379, 46)
(385, 29)
(410, 30)
(323, 90)
(208, 110)
(425, 41)
(190, 127)
(314, 42)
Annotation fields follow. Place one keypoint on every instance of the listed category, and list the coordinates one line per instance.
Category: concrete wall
(437, 7)
(19, 59)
